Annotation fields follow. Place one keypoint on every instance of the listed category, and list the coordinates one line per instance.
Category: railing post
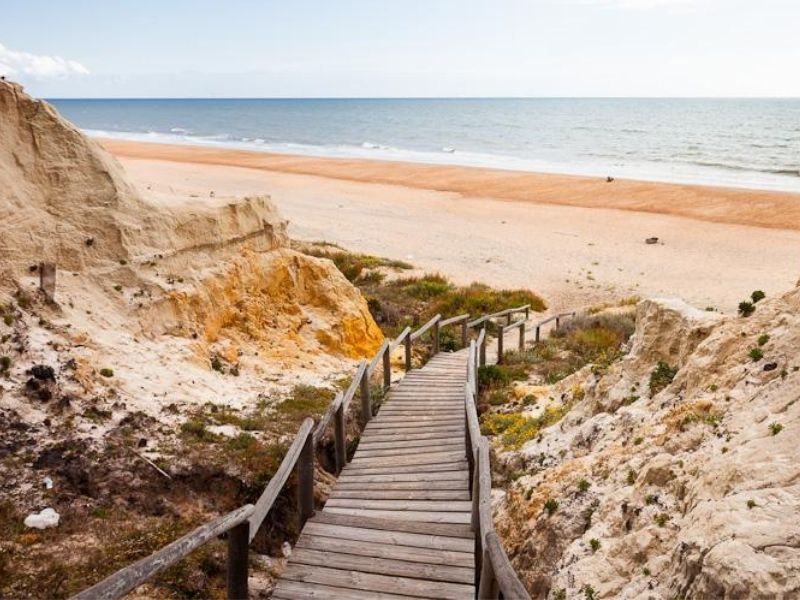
(366, 406)
(558, 322)
(522, 337)
(238, 544)
(482, 353)
(487, 590)
(476, 518)
(537, 334)
(508, 319)
(500, 346)
(408, 352)
(527, 312)
(464, 333)
(339, 439)
(305, 480)
(436, 338)
(387, 369)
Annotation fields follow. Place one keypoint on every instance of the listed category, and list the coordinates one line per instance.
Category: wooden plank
(431, 458)
(451, 412)
(382, 494)
(395, 436)
(401, 449)
(382, 566)
(388, 445)
(418, 430)
(390, 422)
(395, 470)
(419, 588)
(333, 542)
(445, 529)
(404, 485)
(454, 549)
(301, 590)
(414, 476)
(404, 515)
(415, 505)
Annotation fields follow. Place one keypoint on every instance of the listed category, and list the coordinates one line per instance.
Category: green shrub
(661, 519)
(746, 308)
(106, 372)
(757, 296)
(492, 376)
(775, 428)
(763, 339)
(756, 354)
(661, 377)
(550, 506)
(195, 430)
(630, 478)
(584, 485)
(5, 363)
(751, 504)
(8, 320)
(216, 364)
(595, 544)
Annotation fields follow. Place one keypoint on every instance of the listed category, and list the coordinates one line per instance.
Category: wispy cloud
(14, 63)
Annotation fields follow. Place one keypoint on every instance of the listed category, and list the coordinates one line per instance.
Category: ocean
(752, 143)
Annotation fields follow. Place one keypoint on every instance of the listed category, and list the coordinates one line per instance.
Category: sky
(402, 48)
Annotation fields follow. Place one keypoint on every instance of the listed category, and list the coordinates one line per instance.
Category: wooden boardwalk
(398, 521)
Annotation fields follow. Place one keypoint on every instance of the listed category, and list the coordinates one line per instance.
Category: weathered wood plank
(414, 476)
(388, 445)
(400, 449)
(461, 485)
(402, 469)
(382, 494)
(413, 436)
(404, 515)
(301, 590)
(408, 459)
(444, 529)
(378, 583)
(395, 539)
(438, 429)
(382, 566)
(333, 542)
(412, 505)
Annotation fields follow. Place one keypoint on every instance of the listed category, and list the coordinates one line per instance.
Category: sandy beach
(576, 240)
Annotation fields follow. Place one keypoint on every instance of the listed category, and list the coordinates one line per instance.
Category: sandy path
(574, 256)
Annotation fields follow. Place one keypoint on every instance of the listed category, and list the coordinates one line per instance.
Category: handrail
(496, 576)
(373, 364)
(399, 339)
(454, 320)
(351, 390)
(277, 481)
(419, 332)
(521, 325)
(503, 313)
(123, 581)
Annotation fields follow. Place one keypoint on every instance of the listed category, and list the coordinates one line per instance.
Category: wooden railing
(523, 327)
(494, 574)
(242, 524)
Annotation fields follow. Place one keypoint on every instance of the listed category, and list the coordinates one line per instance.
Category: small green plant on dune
(550, 506)
(661, 377)
(757, 296)
(583, 486)
(106, 372)
(751, 504)
(756, 354)
(594, 543)
(775, 428)
(763, 339)
(746, 308)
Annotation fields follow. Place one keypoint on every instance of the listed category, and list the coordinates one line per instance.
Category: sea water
(730, 142)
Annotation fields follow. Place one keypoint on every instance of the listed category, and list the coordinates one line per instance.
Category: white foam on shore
(640, 171)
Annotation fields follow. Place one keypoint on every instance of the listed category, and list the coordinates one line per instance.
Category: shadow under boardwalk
(397, 523)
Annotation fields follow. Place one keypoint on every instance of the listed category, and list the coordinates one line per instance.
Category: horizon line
(52, 98)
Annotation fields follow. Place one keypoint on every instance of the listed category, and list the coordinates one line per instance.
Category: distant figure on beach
(609, 179)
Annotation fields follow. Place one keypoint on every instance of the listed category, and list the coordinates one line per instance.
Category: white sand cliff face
(693, 491)
(154, 289)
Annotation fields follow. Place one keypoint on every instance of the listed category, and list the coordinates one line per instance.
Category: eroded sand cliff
(690, 491)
